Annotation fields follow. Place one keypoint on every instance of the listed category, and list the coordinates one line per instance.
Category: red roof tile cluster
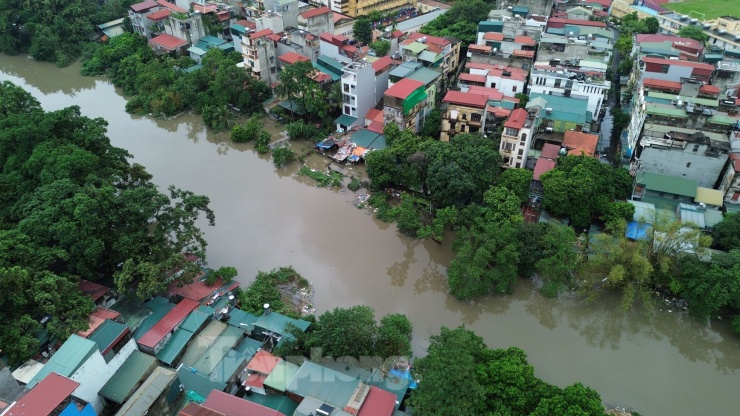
(735, 160)
(292, 57)
(697, 65)
(168, 42)
(709, 89)
(543, 165)
(205, 8)
(524, 40)
(491, 93)
(376, 127)
(143, 6)
(261, 33)
(168, 323)
(223, 15)
(159, 15)
(233, 406)
(661, 84)
(194, 409)
(397, 33)
(171, 6)
(247, 24)
(464, 76)
(93, 289)
(493, 36)
(579, 143)
(498, 112)
(692, 43)
(382, 64)
(315, 12)
(558, 22)
(516, 119)
(550, 151)
(403, 88)
(263, 362)
(44, 397)
(524, 54)
(274, 37)
(96, 319)
(465, 99)
(498, 70)
(197, 291)
(378, 402)
(434, 40)
(480, 48)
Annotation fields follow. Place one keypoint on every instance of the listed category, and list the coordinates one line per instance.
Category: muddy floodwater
(664, 365)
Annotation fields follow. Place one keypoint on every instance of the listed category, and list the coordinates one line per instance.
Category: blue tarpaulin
(637, 231)
(404, 374)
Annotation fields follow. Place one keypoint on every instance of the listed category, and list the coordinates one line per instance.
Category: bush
(239, 134)
(354, 184)
(262, 144)
(334, 179)
(282, 156)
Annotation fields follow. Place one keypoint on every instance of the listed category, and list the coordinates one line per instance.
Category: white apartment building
(570, 84)
(363, 85)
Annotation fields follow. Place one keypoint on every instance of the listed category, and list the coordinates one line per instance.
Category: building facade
(516, 139)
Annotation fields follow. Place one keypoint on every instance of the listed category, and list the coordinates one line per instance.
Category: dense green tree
(439, 394)
(652, 24)
(575, 400)
(558, 260)
(432, 124)
(346, 332)
(363, 30)
(281, 156)
(408, 218)
(262, 142)
(618, 211)
(460, 21)
(516, 181)
(693, 32)
(394, 336)
(726, 234)
(709, 286)
(381, 47)
(227, 273)
(624, 44)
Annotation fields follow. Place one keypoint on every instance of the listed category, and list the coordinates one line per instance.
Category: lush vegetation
(632, 24)
(495, 382)
(363, 30)
(705, 9)
(74, 208)
(693, 32)
(351, 332)
(161, 85)
(313, 101)
(460, 22)
(55, 31)
(266, 289)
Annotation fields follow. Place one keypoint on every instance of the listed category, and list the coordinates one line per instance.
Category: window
(688, 165)
(475, 117)
(696, 148)
(557, 83)
(521, 152)
(523, 138)
(518, 165)
(346, 87)
(513, 88)
(664, 69)
(346, 109)
(272, 59)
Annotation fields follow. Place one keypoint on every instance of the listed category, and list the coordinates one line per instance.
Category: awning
(708, 196)
(346, 120)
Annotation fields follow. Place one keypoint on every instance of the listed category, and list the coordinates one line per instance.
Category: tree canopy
(74, 208)
(363, 30)
(726, 234)
(693, 32)
(460, 21)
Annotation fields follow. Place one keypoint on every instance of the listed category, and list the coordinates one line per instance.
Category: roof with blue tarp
(72, 410)
(638, 231)
(175, 345)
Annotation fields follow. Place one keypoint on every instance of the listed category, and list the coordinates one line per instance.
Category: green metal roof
(280, 403)
(233, 360)
(159, 307)
(202, 342)
(70, 357)
(137, 366)
(197, 382)
(331, 64)
(664, 111)
(237, 317)
(197, 50)
(429, 56)
(174, 346)
(489, 26)
(326, 70)
(425, 75)
(346, 120)
(107, 333)
(276, 322)
(228, 339)
(281, 375)
(145, 396)
(668, 184)
(721, 119)
(563, 108)
(706, 102)
(324, 384)
(415, 47)
(364, 137)
(194, 321)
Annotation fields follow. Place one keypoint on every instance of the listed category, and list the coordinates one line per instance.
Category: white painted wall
(95, 372)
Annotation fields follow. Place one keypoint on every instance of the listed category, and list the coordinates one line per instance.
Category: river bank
(267, 218)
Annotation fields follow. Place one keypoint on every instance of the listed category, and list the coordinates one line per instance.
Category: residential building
(103, 296)
(462, 113)
(338, 47)
(138, 13)
(199, 50)
(155, 339)
(378, 402)
(433, 52)
(556, 81)
(258, 369)
(683, 153)
(363, 85)
(280, 376)
(668, 46)
(665, 192)
(152, 396)
(431, 78)
(675, 70)
(228, 405)
(578, 143)
(579, 13)
(258, 50)
(547, 160)
(621, 8)
(324, 385)
(731, 184)
(317, 21)
(49, 397)
(355, 8)
(516, 139)
(343, 25)
(403, 104)
(137, 367)
(560, 114)
(719, 37)
(174, 348)
(82, 360)
(508, 80)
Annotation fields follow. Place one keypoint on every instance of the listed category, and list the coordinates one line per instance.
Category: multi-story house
(403, 104)
(138, 15)
(516, 139)
(317, 21)
(669, 46)
(431, 78)
(363, 85)
(464, 113)
(508, 80)
(259, 53)
(721, 37)
(434, 52)
(355, 8)
(731, 184)
(337, 47)
(675, 70)
(557, 81)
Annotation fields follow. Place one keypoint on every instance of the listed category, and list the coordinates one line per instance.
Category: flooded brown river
(664, 365)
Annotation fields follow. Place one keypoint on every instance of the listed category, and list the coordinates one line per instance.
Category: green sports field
(710, 8)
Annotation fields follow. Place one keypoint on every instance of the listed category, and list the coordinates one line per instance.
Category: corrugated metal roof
(403, 88)
(203, 341)
(644, 212)
(327, 385)
(234, 359)
(168, 323)
(263, 362)
(202, 384)
(709, 196)
(237, 317)
(281, 375)
(174, 346)
(45, 397)
(195, 320)
(234, 406)
(119, 387)
(70, 356)
(147, 394)
(425, 75)
(280, 403)
(159, 307)
(668, 184)
(107, 334)
(194, 409)
(378, 403)
(665, 111)
(227, 340)
(276, 322)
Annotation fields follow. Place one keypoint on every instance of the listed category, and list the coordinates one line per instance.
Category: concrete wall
(685, 164)
(675, 73)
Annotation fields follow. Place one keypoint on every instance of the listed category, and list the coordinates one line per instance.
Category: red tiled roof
(430, 39)
(382, 64)
(194, 409)
(159, 15)
(480, 48)
(274, 37)
(465, 99)
(168, 42)
(96, 319)
(310, 36)
(233, 406)
(709, 89)
(525, 54)
(376, 126)
(397, 33)
(349, 48)
(44, 397)
(579, 143)
(373, 113)
(315, 12)
(171, 6)
(223, 15)
(326, 37)
(524, 40)
(143, 6)
(168, 323)
(263, 362)
(662, 61)
(659, 83)
(246, 23)
(640, 38)
(93, 289)
(319, 76)
(464, 76)
(499, 112)
(204, 8)
(550, 151)
(605, 3)
(341, 38)
(543, 165)
(556, 21)
(292, 57)
(493, 36)
(491, 93)
(403, 88)
(255, 380)
(378, 402)
(261, 33)
(197, 291)
(516, 119)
